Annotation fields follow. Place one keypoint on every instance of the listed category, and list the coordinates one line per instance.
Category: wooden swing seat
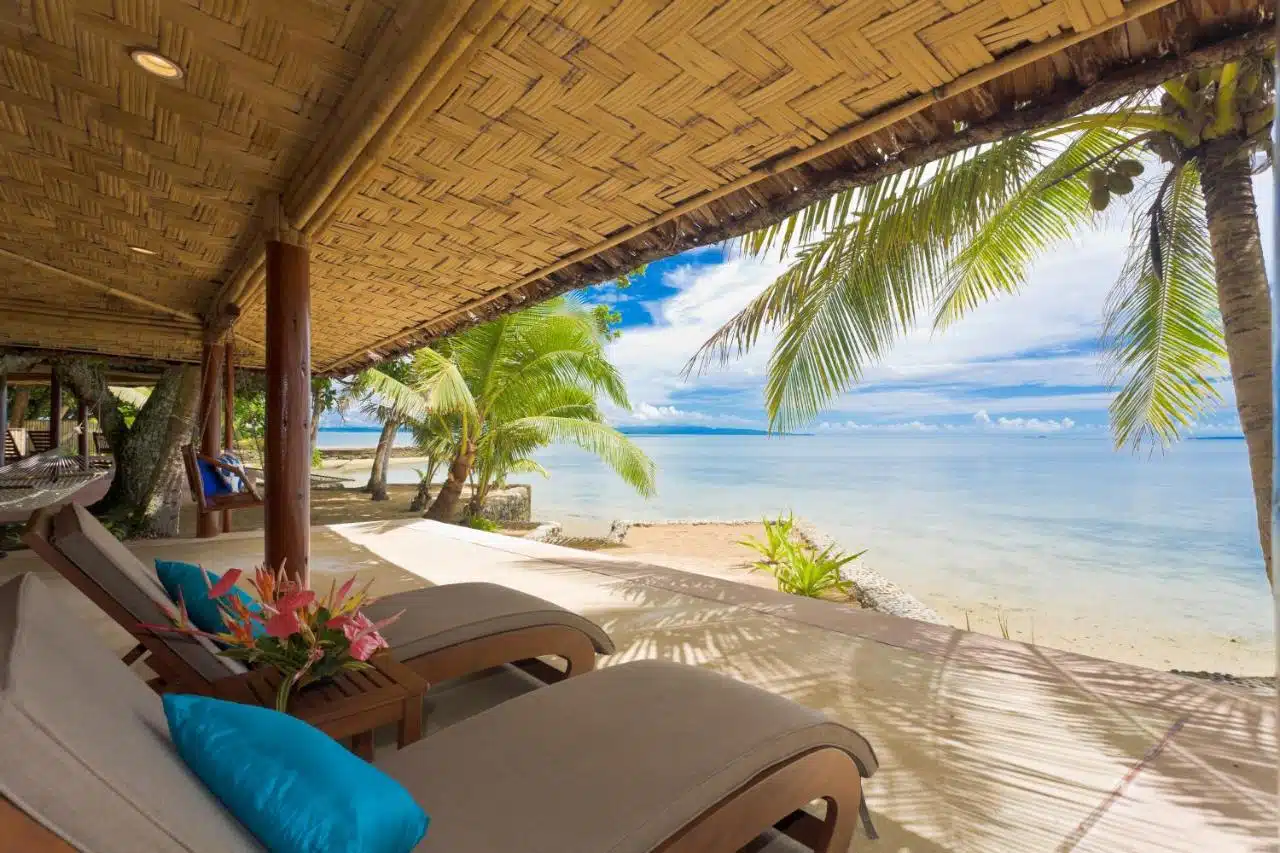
(206, 504)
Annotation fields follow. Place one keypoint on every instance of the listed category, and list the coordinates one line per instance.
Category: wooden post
(55, 409)
(4, 416)
(288, 463)
(208, 524)
(82, 440)
(229, 415)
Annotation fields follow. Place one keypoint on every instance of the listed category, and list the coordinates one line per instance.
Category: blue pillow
(294, 787)
(177, 576)
(231, 481)
(211, 480)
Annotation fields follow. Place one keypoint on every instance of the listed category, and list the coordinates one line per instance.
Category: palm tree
(515, 384)
(955, 233)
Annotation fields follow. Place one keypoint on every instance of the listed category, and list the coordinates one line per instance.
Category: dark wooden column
(82, 440)
(209, 413)
(55, 409)
(288, 463)
(4, 416)
(229, 416)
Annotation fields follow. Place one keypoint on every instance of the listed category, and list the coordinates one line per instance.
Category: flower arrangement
(304, 636)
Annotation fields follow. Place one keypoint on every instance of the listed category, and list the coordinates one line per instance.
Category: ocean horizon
(1022, 523)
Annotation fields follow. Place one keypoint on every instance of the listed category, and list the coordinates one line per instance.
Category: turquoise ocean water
(1024, 520)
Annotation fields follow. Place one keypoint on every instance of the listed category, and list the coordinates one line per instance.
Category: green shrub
(479, 522)
(797, 567)
(777, 534)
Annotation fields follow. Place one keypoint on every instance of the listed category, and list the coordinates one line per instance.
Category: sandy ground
(328, 506)
(710, 549)
(713, 550)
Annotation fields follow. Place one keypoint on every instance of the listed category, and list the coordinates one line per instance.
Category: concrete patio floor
(985, 744)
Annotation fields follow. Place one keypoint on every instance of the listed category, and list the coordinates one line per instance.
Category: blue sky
(1023, 363)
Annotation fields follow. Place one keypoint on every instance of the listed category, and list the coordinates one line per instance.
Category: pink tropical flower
(284, 623)
(225, 583)
(297, 600)
(362, 634)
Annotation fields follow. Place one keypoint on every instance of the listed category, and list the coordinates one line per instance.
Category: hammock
(50, 479)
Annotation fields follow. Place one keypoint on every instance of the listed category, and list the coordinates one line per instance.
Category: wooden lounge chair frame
(522, 647)
(205, 504)
(827, 774)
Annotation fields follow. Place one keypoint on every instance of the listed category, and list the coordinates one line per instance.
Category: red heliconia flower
(283, 624)
(225, 583)
(296, 600)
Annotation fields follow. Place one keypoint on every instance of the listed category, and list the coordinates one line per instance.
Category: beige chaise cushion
(84, 747)
(613, 761)
(441, 616)
(84, 541)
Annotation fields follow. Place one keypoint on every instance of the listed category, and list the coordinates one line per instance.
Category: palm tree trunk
(1245, 303)
(378, 476)
(445, 505)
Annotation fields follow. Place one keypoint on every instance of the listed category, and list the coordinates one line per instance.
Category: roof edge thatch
(685, 233)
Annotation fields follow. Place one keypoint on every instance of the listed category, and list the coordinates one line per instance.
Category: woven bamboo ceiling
(449, 160)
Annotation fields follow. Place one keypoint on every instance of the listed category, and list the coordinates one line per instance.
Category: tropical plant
(479, 522)
(777, 533)
(801, 569)
(385, 405)
(967, 228)
(513, 385)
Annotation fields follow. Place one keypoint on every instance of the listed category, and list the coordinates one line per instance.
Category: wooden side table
(352, 705)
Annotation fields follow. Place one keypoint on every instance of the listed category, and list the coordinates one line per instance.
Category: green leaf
(1163, 332)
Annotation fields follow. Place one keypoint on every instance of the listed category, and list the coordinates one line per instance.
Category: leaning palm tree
(955, 233)
(515, 384)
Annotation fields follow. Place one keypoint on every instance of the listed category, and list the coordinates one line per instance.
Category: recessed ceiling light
(142, 251)
(157, 64)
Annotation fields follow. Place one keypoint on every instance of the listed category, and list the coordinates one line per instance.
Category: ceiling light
(155, 63)
(141, 251)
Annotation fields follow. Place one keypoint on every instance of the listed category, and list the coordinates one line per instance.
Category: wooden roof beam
(428, 47)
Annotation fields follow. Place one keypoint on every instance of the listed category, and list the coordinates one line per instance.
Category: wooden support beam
(208, 524)
(229, 416)
(82, 440)
(288, 462)
(100, 287)
(4, 415)
(55, 410)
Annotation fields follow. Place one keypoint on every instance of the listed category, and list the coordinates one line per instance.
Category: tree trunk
(445, 505)
(161, 513)
(317, 409)
(18, 411)
(381, 458)
(143, 491)
(1245, 302)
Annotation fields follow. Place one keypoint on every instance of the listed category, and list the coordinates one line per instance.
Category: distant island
(692, 430)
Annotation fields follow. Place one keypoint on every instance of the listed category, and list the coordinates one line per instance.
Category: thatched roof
(449, 160)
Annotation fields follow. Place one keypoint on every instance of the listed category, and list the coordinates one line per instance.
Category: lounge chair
(446, 631)
(644, 757)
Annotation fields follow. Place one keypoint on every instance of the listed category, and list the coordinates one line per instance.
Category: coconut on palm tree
(507, 387)
(955, 233)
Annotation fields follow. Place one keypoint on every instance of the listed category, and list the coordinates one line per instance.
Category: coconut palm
(965, 229)
(513, 385)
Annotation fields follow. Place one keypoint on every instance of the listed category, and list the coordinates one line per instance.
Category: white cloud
(984, 421)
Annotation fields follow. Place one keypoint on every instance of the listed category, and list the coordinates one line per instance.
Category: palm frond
(384, 397)
(849, 295)
(612, 447)
(1163, 331)
(1045, 211)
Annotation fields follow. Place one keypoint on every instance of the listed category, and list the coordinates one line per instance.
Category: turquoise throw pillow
(294, 787)
(188, 578)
